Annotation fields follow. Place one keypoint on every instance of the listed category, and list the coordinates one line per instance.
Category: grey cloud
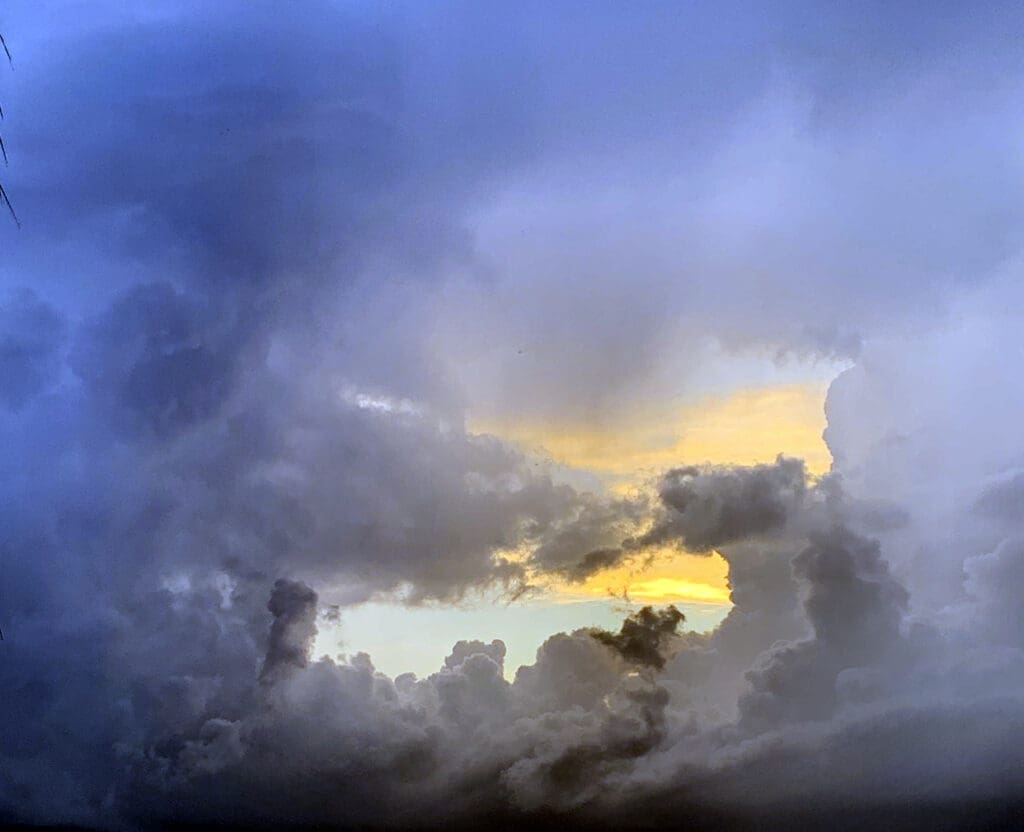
(760, 218)
(850, 598)
(708, 507)
(855, 610)
(293, 606)
(571, 776)
(571, 670)
(589, 538)
(993, 581)
(645, 637)
(765, 610)
(402, 739)
(594, 561)
(462, 650)
(1003, 500)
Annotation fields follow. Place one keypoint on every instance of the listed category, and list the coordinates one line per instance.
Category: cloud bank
(273, 256)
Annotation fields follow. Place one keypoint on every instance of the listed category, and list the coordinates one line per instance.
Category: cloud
(293, 606)
(642, 640)
(992, 581)
(31, 338)
(278, 261)
(708, 507)
(590, 537)
(855, 611)
(154, 362)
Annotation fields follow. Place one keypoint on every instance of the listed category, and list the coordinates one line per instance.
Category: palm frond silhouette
(3, 150)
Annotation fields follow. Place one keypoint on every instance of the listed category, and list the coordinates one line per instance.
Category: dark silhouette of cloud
(707, 507)
(644, 636)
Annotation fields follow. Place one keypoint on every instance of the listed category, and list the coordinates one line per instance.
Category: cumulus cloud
(854, 609)
(293, 606)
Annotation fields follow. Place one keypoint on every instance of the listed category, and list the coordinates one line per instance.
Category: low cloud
(708, 507)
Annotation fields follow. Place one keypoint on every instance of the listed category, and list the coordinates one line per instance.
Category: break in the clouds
(275, 256)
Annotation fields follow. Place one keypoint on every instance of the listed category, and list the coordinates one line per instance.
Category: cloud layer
(273, 257)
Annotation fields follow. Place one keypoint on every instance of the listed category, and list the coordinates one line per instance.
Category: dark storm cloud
(237, 186)
(292, 130)
(278, 251)
(594, 561)
(155, 360)
(262, 166)
(580, 735)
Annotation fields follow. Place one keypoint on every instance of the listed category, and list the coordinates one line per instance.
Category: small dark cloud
(293, 605)
(645, 638)
(708, 506)
(593, 562)
(589, 538)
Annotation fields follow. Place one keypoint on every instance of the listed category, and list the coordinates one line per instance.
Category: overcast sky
(366, 368)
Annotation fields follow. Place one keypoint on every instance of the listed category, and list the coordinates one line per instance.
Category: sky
(585, 415)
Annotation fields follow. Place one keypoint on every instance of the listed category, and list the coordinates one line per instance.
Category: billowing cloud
(275, 260)
(709, 507)
(293, 606)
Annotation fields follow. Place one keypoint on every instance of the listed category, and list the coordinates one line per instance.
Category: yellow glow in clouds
(744, 428)
(661, 583)
(747, 427)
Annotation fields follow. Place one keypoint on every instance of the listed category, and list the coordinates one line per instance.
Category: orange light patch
(748, 427)
(669, 577)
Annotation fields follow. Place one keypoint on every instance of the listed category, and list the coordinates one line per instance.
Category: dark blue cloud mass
(274, 256)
